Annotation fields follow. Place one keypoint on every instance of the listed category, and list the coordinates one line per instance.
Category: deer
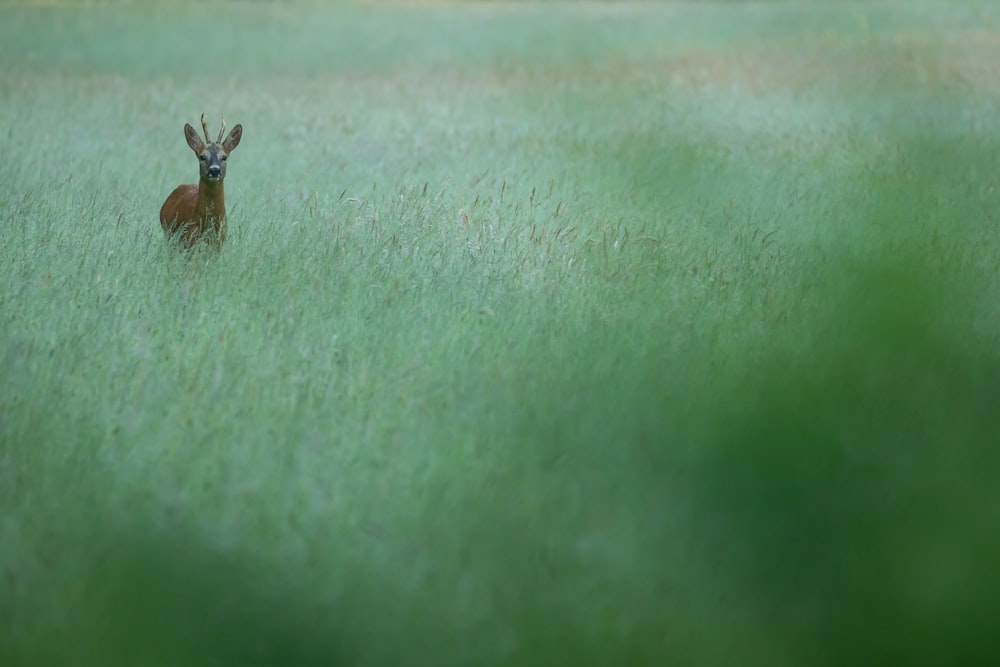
(193, 212)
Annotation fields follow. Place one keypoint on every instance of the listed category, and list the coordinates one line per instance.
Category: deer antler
(222, 131)
(204, 127)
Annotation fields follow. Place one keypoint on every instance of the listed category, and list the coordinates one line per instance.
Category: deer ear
(194, 141)
(233, 140)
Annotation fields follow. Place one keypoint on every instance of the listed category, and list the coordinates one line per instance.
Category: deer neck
(211, 207)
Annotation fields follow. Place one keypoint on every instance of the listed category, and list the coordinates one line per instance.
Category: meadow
(545, 334)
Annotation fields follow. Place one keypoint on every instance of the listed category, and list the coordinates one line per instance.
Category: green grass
(545, 334)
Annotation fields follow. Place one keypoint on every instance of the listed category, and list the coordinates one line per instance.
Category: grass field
(545, 334)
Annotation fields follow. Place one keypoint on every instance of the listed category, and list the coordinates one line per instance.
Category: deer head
(212, 155)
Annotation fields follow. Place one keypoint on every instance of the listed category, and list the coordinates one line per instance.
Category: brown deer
(191, 211)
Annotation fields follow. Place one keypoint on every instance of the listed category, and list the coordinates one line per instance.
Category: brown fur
(191, 211)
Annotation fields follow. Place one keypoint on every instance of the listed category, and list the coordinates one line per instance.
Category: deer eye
(202, 158)
(222, 157)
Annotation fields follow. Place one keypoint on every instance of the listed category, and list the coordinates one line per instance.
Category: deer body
(193, 211)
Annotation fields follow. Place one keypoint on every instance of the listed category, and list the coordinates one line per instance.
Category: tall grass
(544, 334)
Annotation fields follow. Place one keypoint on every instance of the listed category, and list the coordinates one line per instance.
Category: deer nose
(214, 171)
